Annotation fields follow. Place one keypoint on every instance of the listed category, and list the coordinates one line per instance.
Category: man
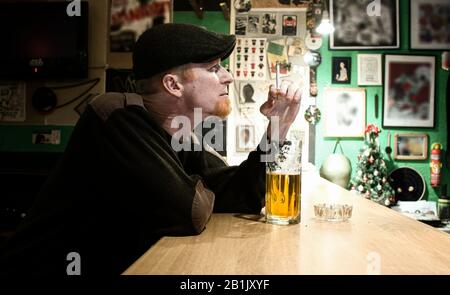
(121, 185)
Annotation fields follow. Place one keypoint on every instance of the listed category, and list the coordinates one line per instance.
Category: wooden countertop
(376, 240)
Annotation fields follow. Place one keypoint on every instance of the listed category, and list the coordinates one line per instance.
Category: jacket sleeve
(238, 189)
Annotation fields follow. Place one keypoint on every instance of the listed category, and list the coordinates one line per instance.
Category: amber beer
(283, 196)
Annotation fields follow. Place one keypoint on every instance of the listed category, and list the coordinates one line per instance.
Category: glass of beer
(283, 185)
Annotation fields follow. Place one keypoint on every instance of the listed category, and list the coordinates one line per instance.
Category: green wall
(18, 138)
(213, 20)
(324, 146)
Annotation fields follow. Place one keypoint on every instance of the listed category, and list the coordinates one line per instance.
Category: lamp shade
(325, 26)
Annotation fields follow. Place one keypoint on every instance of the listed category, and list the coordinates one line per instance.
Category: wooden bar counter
(375, 240)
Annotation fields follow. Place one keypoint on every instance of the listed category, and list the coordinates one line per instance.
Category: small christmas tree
(371, 178)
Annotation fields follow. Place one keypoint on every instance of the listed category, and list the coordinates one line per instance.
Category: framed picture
(269, 23)
(345, 112)
(289, 25)
(411, 146)
(245, 138)
(445, 60)
(369, 69)
(409, 91)
(365, 24)
(429, 24)
(341, 70)
(129, 19)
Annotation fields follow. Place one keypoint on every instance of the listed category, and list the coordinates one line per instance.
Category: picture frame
(445, 60)
(245, 138)
(423, 33)
(341, 69)
(411, 146)
(365, 24)
(409, 91)
(289, 25)
(124, 30)
(345, 112)
(370, 69)
(122, 37)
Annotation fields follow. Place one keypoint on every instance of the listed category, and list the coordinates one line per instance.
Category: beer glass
(283, 184)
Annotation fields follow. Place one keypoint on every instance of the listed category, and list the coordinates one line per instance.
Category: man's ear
(172, 85)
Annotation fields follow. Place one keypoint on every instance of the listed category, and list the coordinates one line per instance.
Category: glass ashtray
(333, 212)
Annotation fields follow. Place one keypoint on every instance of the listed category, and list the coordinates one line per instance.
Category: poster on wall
(430, 24)
(277, 52)
(130, 18)
(12, 102)
(409, 91)
(289, 25)
(250, 59)
(266, 35)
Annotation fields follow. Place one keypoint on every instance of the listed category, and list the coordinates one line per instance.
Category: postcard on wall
(269, 23)
(12, 102)
(277, 52)
(240, 25)
(289, 25)
(253, 26)
(369, 69)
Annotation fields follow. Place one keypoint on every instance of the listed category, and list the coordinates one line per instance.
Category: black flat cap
(166, 46)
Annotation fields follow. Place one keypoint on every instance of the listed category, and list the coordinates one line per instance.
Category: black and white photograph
(253, 26)
(411, 146)
(369, 69)
(341, 70)
(242, 5)
(409, 91)
(364, 24)
(241, 25)
(269, 23)
(345, 112)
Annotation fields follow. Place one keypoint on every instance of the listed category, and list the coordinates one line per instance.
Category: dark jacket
(119, 187)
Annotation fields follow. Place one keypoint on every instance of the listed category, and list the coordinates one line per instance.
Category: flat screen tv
(39, 40)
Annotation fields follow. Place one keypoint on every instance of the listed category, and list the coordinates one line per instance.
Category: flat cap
(166, 46)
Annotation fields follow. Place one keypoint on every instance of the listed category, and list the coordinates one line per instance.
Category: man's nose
(226, 78)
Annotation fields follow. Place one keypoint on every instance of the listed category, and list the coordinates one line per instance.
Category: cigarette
(277, 79)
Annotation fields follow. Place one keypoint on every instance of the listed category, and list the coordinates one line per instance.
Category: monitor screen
(40, 40)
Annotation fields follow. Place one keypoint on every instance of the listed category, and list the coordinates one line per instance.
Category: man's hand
(284, 104)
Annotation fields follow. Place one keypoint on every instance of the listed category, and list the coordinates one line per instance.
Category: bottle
(444, 207)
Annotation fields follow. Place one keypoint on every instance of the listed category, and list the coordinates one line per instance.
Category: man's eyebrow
(212, 63)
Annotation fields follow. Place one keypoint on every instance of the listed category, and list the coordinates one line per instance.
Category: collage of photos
(266, 24)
